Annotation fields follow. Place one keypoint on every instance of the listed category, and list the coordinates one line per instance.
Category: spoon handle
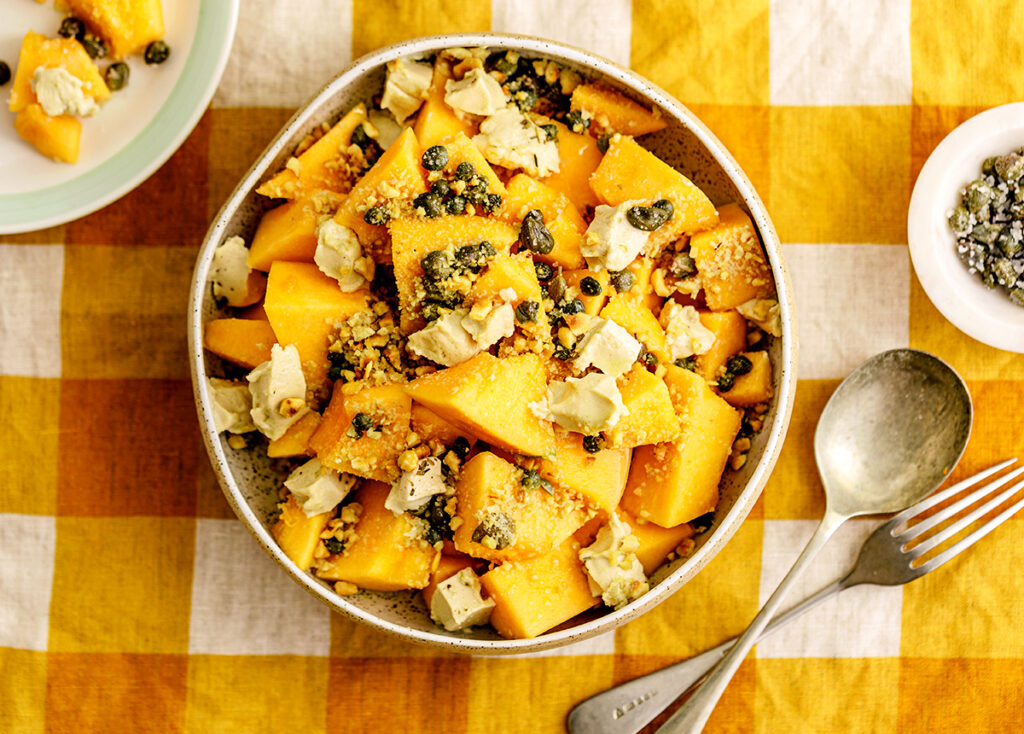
(693, 715)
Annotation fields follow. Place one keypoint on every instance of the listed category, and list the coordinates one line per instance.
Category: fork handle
(628, 708)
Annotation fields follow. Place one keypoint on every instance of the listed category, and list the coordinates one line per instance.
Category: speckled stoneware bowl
(247, 477)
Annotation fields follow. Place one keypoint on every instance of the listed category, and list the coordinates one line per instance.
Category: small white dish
(137, 130)
(982, 313)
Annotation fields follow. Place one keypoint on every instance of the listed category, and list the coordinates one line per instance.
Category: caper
(544, 271)
(592, 444)
(94, 46)
(738, 365)
(440, 187)
(726, 381)
(435, 158)
(978, 195)
(960, 220)
(590, 286)
(71, 27)
(556, 288)
(492, 203)
(377, 215)
(497, 526)
(533, 480)
(361, 139)
(505, 66)
(1008, 245)
(986, 233)
(456, 205)
(362, 423)
(1004, 272)
(525, 99)
(1010, 167)
(562, 353)
(602, 142)
(1017, 296)
(334, 546)
(461, 447)
(534, 236)
(5, 73)
(575, 306)
(157, 52)
(475, 257)
(527, 311)
(551, 131)
(687, 363)
(988, 166)
(436, 265)
(464, 171)
(476, 194)
(429, 203)
(649, 218)
(623, 280)
(682, 266)
(116, 76)
(577, 121)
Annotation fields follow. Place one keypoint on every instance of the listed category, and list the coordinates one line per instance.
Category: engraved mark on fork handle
(635, 703)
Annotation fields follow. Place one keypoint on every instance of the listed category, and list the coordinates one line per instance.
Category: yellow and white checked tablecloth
(131, 600)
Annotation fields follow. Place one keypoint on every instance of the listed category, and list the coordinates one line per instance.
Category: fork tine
(953, 528)
(945, 494)
(947, 512)
(968, 540)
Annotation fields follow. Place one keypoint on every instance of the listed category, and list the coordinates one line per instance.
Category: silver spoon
(889, 435)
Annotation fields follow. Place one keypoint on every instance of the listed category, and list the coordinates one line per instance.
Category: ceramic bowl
(986, 314)
(250, 482)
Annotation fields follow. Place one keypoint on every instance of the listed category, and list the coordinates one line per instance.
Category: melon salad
(505, 351)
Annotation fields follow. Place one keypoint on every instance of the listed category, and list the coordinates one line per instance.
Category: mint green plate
(137, 130)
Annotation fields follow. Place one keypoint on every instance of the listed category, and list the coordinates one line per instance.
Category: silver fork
(887, 558)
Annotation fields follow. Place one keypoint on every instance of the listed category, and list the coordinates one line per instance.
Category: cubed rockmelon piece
(326, 164)
(630, 172)
(628, 311)
(490, 398)
(286, 232)
(429, 426)
(245, 342)
(55, 137)
(673, 483)
(463, 150)
(127, 26)
(413, 238)
(386, 554)
(515, 272)
(397, 171)
(614, 111)
(436, 122)
(255, 312)
(297, 534)
(295, 441)
(755, 386)
(655, 541)
(532, 596)
(447, 567)
(561, 217)
(371, 455)
(730, 330)
(38, 50)
(730, 261)
(303, 306)
(578, 157)
(490, 490)
(651, 417)
(591, 304)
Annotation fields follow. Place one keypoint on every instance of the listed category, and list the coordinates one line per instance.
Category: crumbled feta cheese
(382, 128)
(406, 87)
(458, 603)
(685, 333)
(586, 405)
(459, 334)
(498, 323)
(508, 138)
(611, 242)
(612, 565)
(277, 380)
(318, 489)
(764, 312)
(412, 490)
(607, 346)
(477, 93)
(230, 403)
(230, 271)
(59, 92)
(339, 256)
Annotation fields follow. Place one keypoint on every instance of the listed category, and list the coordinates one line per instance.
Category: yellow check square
(379, 24)
(31, 410)
(23, 693)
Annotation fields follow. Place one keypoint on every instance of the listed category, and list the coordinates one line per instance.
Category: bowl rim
(981, 313)
(785, 390)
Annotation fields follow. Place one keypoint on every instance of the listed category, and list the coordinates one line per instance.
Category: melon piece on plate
(286, 232)
(429, 426)
(295, 441)
(655, 541)
(628, 311)
(578, 157)
(298, 534)
(614, 111)
(508, 272)
(55, 137)
(755, 386)
(730, 330)
(245, 342)
(591, 304)
(561, 217)
(651, 417)
(38, 50)
(436, 122)
(730, 261)
(127, 26)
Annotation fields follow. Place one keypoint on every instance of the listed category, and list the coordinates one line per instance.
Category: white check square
(603, 28)
(27, 546)
(31, 279)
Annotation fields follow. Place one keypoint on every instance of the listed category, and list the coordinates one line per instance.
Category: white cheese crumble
(318, 489)
(458, 602)
(508, 138)
(278, 379)
(411, 491)
(230, 271)
(230, 403)
(586, 405)
(459, 334)
(764, 312)
(607, 346)
(684, 332)
(406, 87)
(59, 92)
(477, 93)
(382, 128)
(611, 242)
(339, 256)
(612, 565)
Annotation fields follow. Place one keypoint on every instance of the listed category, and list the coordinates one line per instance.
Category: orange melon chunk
(655, 541)
(578, 157)
(591, 304)
(630, 172)
(651, 418)
(297, 534)
(730, 261)
(126, 25)
(490, 398)
(614, 111)
(382, 557)
(55, 137)
(429, 426)
(508, 271)
(246, 342)
(535, 595)
(730, 330)
(561, 217)
(755, 386)
(628, 311)
(436, 123)
(286, 232)
(38, 50)
(295, 441)
(462, 149)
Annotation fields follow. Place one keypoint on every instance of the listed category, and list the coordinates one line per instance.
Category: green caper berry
(435, 264)
(623, 280)
(362, 423)
(556, 288)
(562, 353)
(474, 257)
(525, 99)
(726, 381)
(977, 195)
(465, 171)
(157, 52)
(497, 526)
(116, 76)
(986, 233)
(461, 447)
(544, 271)
(1009, 167)
(334, 546)
(526, 312)
(577, 122)
(665, 205)
(960, 220)
(534, 236)
(687, 363)
(738, 365)
(441, 187)
(505, 66)
(361, 139)
(573, 307)
(5, 73)
(1003, 271)
(1009, 246)
(648, 218)
(682, 266)
(988, 166)
(590, 286)
(602, 142)
(551, 131)
(456, 205)
(94, 46)
(435, 158)
(533, 480)
(71, 27)
(592, 444)
(648, 360)
(377, 216)
(492, 203)
(429, 203)
(1017, 296)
